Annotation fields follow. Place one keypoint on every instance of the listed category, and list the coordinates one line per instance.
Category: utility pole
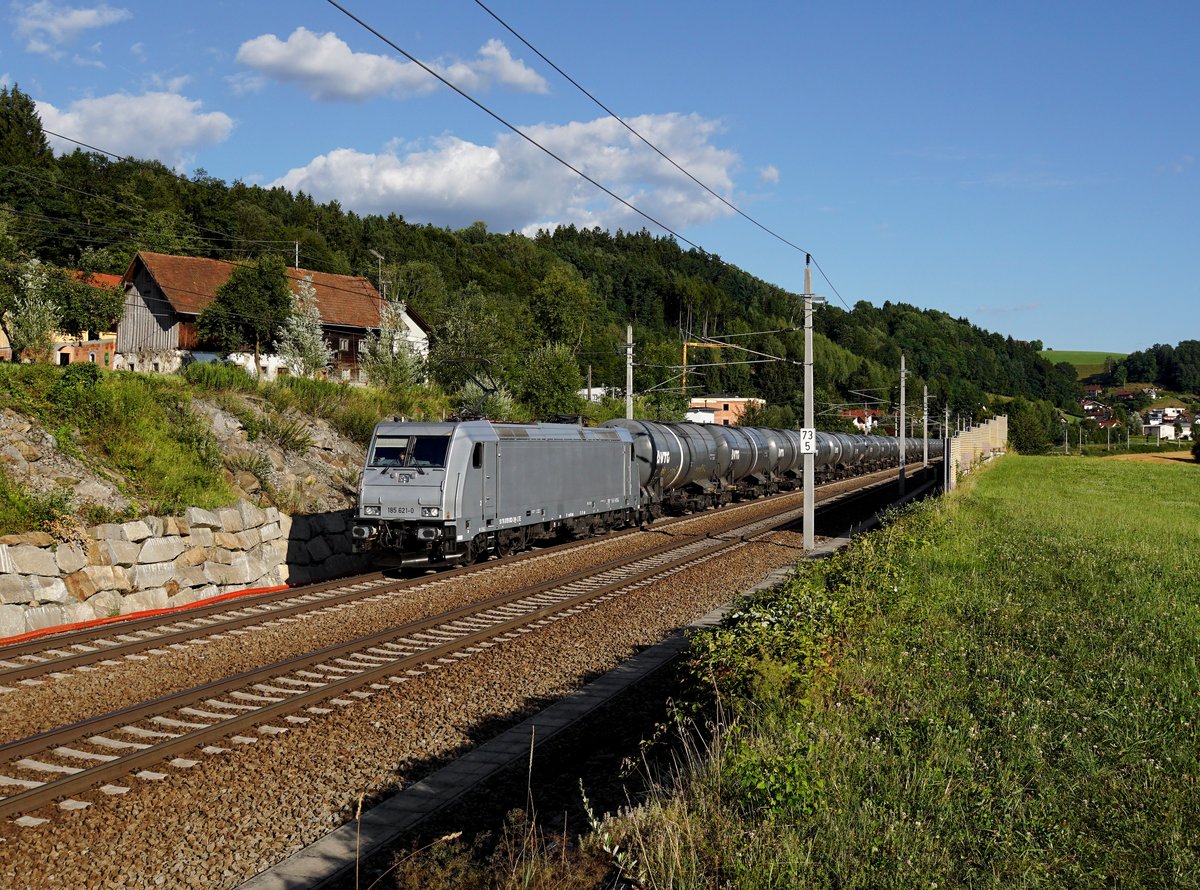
(589, 384)
(629, 372)
(379, 277)
(925, 426)
(946, 462)
(297, 263)
(808, 435)
(900, 425)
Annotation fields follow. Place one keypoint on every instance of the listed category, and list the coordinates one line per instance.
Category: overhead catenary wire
(521, 133)
(513, 127)
(654, 147)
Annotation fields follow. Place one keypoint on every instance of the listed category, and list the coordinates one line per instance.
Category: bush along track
(992, 690)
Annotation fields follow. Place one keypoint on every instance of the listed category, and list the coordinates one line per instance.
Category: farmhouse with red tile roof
(165, 294)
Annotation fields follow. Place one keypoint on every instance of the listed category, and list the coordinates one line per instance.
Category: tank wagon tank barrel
(438, 493)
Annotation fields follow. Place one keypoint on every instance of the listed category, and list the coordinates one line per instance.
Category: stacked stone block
(162, 562)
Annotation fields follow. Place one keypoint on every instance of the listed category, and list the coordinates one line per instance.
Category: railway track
(55, 657)
(64, 765)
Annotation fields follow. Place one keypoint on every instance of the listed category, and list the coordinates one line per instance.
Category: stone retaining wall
(158, 562)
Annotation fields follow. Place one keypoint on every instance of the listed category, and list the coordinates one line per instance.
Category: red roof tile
(97, 279)
(191, 283)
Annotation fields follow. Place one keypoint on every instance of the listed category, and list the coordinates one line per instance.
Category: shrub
(218, 376)
(288, 431)
(75, 387)
(1196, 449)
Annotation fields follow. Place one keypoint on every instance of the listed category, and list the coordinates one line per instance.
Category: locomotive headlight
(431, 511)
(371, 510)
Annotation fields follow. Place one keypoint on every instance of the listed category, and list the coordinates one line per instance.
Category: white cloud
(325, 67)
(163, 126)
(769, 174)
(169, 84)
(1180, 165)
(513, 185)
(46, 25)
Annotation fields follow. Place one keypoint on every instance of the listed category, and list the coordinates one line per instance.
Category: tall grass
(1012, 701)
(138, 429)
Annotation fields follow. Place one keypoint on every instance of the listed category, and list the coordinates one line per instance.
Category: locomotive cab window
(477, 456)
(409, 451)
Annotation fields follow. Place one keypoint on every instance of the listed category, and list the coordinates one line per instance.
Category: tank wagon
(437, 493)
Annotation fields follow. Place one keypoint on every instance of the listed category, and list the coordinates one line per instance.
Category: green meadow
(1000, 689)
(1086, 363)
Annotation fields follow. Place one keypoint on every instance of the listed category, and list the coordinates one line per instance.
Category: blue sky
(1030, 166)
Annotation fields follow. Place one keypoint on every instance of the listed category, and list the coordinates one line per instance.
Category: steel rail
(103, 643)
(85, 778)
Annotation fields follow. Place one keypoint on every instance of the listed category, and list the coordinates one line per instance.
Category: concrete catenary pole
(629, 372)
(946, 463)
(925, 426)
(809, 458)
(900, 424)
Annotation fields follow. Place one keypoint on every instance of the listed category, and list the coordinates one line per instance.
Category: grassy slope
(1018, 706)
(1086, 363)
(142, 430)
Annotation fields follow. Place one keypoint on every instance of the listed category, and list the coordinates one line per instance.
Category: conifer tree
(301, 342)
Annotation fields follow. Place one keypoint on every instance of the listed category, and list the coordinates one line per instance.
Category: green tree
(86, 305)
(23, 142)
(301, 342)
(250, 308)
(27, 172)
(1030, 426)
(389, 359)
(29, 310)
(472, 342)
(561, 305)
(418, 284)
(549, 382)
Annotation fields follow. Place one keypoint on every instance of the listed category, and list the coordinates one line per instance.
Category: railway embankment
(996, 689)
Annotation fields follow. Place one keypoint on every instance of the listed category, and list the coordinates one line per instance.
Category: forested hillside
(526, 315)
(1176, 368)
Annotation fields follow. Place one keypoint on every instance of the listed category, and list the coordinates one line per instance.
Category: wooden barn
(165, 294)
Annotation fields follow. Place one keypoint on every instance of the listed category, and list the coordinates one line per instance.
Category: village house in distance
(165, 294)
(723, 410)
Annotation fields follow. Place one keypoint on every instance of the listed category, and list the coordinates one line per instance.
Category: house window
(156, 367)
(64, 358)
(345, 373)
(344, 344)
(726, 406)
(725, 422)
(92, 357)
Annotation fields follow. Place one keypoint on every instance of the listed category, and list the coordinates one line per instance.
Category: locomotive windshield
(409, 451)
